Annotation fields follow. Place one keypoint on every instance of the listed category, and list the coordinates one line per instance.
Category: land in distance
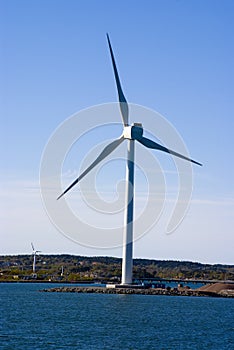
(73, 268)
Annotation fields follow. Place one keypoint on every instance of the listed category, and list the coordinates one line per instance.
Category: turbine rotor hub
(133, 132)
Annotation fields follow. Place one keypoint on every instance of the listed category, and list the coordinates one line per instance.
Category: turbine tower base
(130, 286)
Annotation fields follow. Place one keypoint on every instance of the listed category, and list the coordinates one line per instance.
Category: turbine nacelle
(133, 132)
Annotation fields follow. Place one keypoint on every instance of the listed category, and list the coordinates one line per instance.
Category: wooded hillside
(77, 268)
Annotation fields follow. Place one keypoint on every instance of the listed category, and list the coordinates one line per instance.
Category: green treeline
(81, 268)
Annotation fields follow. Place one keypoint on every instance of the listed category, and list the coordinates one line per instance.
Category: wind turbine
(34, 253)
(131, 133)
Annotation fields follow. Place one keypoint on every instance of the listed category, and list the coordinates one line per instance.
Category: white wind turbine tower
(34, 253)
(131, 133)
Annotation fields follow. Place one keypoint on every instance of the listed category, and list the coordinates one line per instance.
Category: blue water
(31, 320)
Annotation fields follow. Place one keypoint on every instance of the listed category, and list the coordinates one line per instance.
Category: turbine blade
(107, 150)
(151, 144)
(122, 100)
(32, 246)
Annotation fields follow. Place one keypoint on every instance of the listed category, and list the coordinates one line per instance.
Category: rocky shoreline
(142, 291)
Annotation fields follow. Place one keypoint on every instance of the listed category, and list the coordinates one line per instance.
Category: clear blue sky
(175, 57)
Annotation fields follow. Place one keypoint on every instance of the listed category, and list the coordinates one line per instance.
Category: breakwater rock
(221, 289)
(131, 290)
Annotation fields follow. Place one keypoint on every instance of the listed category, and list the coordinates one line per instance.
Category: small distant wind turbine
(34, 253)
(131, 133)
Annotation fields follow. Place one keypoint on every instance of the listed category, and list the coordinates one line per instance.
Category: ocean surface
(32, 320)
